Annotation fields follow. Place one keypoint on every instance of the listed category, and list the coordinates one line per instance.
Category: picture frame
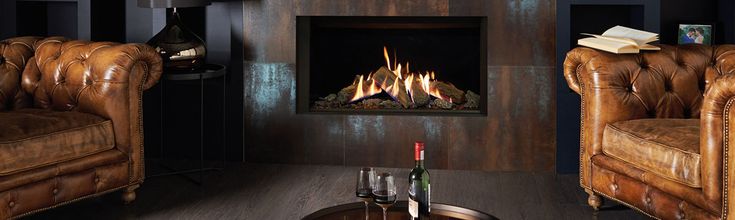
(696, 33)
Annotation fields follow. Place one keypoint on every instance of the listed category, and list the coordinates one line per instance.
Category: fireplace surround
(415, 65)
(516, 134)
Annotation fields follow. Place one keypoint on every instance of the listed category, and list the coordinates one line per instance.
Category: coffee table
(397, 211)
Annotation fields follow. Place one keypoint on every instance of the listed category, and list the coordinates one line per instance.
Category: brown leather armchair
(656, 129)
(70, 120)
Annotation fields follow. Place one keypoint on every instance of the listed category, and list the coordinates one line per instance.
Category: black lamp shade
(172, 3)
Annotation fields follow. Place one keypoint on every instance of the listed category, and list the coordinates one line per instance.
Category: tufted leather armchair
(70, 120)
(656, 129)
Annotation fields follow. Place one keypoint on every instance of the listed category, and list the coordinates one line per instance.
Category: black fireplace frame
(303, 44)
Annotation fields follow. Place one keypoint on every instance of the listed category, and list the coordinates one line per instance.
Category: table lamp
(180, 48)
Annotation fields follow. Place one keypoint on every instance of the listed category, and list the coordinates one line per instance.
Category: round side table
(207, 71)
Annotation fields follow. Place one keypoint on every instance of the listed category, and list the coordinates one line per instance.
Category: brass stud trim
(726, 153)
(71, 201)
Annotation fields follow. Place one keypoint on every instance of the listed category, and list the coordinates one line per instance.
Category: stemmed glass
(384, 192)
(364, 188)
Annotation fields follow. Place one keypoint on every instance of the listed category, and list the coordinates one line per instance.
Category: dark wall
(726, 15)
(598, 18)
(674, 12)
(47, 19)
(109, 20)
(518, 132)
(80, 19)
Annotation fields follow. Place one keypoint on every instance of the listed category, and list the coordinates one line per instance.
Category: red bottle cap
(418, 147)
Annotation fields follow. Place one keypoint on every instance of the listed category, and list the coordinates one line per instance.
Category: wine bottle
(419, 192)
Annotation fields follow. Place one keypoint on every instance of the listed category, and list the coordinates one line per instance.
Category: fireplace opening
(391, 64)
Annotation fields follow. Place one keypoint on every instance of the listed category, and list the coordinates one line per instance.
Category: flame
(367, 86)
(360, 90)
(425, 82)
(408, 83)
(435, 92)
(387, 59)
(395, 89)
(398, 71)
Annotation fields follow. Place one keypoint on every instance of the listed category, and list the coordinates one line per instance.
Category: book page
(649, 47)
(608, 45)
(618, 39)
(642, 37)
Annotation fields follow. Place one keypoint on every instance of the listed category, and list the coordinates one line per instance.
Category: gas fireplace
(391, 64)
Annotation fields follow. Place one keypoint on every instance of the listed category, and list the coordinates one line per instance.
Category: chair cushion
(666, 147)
(32, 138)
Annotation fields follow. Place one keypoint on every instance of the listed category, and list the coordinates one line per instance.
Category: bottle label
(413, 208)
(413, 205)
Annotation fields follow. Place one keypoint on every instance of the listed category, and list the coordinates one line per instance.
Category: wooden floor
(272, 191)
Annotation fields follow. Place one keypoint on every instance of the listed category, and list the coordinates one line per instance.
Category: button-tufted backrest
(14, 54)
(670, 84)
(664, 84)
(79, 75)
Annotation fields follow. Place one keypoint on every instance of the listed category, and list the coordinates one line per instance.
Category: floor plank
(277, 191)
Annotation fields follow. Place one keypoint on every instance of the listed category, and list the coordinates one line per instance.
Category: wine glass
(364, 188)
(384, 192)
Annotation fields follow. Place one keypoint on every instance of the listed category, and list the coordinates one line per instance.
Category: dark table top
(206, 71)
(399, 210)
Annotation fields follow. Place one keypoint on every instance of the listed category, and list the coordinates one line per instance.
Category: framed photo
(696, 34)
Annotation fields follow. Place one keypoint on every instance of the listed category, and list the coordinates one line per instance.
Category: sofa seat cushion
(665, 147)
(32, 138)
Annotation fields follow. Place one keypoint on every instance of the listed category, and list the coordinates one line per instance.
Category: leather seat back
(14, 55)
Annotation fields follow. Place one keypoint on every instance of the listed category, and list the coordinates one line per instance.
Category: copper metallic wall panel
(520, 32)
(518, 133)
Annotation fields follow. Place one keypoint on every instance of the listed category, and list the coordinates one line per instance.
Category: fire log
(346, 94)
(419, 96)
(386, 79)
(448, 90)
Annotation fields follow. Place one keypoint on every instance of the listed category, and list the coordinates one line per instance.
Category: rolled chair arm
(600, 79)
(118, 63)
(717, 136)
(575, 60)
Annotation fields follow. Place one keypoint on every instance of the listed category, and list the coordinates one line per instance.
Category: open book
(621, 39)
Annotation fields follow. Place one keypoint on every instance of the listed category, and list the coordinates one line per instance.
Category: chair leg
(128, 194)
(594, 200)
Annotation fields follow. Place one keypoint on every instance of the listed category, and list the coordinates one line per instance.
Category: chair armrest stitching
(726, 152)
